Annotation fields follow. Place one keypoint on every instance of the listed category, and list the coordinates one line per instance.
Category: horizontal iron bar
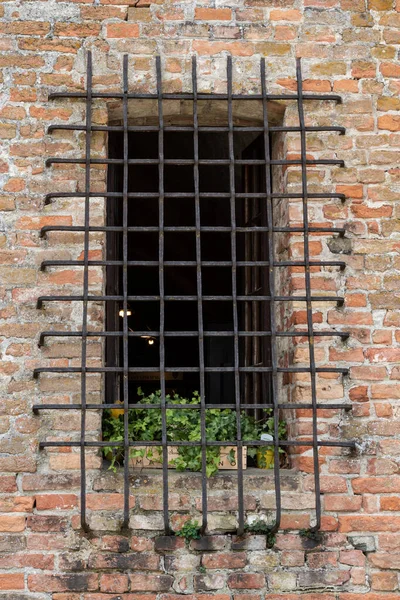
(226, 443)
(278, 195)
(39, 370)
(200, 129)
(186, 263)
(187, 161)
(167, 298)
(190, 96)
(138, 229)
(195, 334)
(293, 405)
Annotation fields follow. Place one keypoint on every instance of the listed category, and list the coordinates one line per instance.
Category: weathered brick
(150, 583)
(249, 581)
(12, 523)
(79, 582)
(233, 560)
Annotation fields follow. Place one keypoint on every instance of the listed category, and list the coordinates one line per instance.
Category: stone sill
(255, 479)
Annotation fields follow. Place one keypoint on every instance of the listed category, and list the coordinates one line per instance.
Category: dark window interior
(181, 316)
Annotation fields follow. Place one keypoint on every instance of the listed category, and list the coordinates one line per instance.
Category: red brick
(63, 582)
(354, 558)
(233, 560)
(342, 503)
(56, 501)
(363, 523)
(107, 501)
(123, 30)
(150, 583)
(212, 48)
(12, 581)
(116, 583)
(27, 560)
(285, 15)
(8, 483)
(249, 581)
(385, 560)
(77, 29)
(384, 581)
(11, 523)
(390, 503)
(376, 485)
(16, 504)
(213, 14)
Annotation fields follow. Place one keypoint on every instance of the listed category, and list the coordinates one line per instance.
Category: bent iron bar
(125, 327)
(203, 433)
(271, 264)
(271, 279)
(85, 290)
(310, 328)
(162, 292)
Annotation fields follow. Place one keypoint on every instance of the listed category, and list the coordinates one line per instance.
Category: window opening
(180, 269)
(249, 255)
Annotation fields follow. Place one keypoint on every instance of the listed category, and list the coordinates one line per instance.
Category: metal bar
(271, 276)
(84, 524)
(234, 298)
(161, 162)
(190, 263)
(284, 405)
(201, 128)
(308, 294)
(187, 263)
(321, 195)
(247, 286)
(125, 326)
(188, 161)
(95, 229)
(337, 299)
(200, 325)
(188, 96)
(44, 334)
(282, 443)
(39, 370)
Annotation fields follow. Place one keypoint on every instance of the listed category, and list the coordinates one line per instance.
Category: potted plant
(183, 424)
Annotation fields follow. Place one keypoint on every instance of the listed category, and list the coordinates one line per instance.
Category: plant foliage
(190, 530)
(262, 528)
(183, 424)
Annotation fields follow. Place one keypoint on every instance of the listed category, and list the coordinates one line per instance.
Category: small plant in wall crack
(262, 528)
(311, 534)
(190, 531)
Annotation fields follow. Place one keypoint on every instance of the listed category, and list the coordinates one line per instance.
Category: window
(197, 266)
(191, 267)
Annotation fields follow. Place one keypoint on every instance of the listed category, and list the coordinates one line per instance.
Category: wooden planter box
(145, 463)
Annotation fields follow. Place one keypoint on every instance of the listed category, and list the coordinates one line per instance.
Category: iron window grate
(269, 264)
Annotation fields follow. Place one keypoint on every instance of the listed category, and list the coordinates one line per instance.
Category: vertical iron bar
(162, 293)
(308, 292)
(125, 330)
(256, 307)
(199, 299)
(271, 272)
(239, 449)
(248, 213)
(84, 524)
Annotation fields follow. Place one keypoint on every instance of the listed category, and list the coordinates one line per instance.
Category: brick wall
(348, 47)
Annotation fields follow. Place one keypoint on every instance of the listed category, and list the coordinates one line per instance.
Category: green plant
(190, 531)
(311, 534)
(183, 424)
(262, 528)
